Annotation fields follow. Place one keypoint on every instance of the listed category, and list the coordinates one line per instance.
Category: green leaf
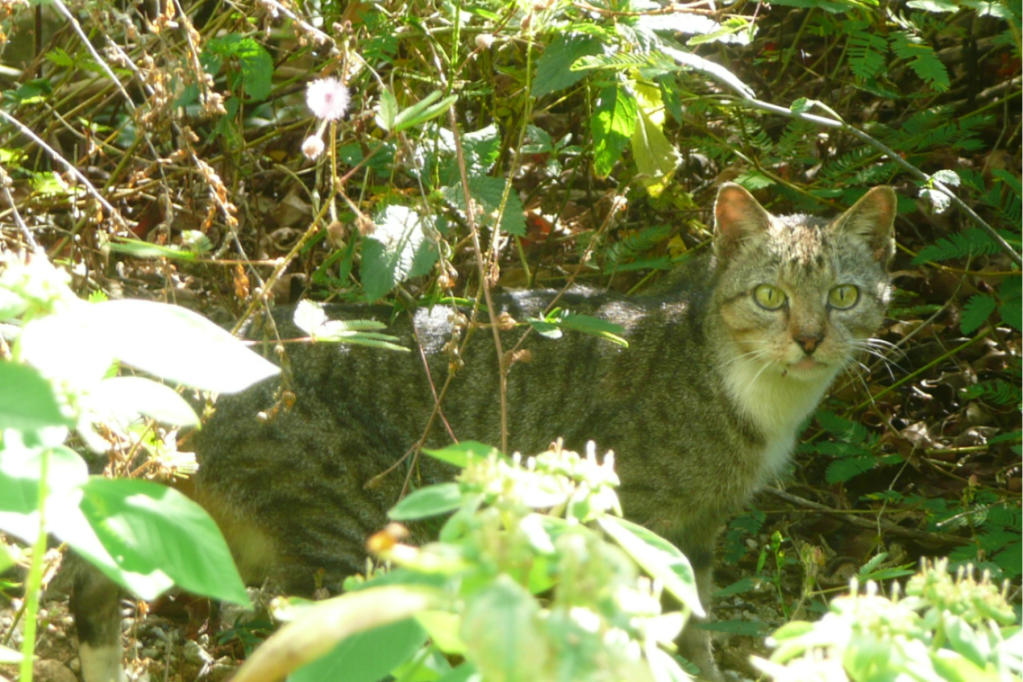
(425, 502)
(500, 627)
(656, 158)
(921, 58)
(842, 470)
(387, 110)
(256, 63)
(549, 330)
(658, 557)
(442, 627)
(866, 53)
(487, 192)
(613, 123)
(176, 344)
(1012, 313)
(141, 249)
(422, 111)
(149, 528)
(366, 656)
(396, 250)
(310, 317)
(594, 326)
(459, 453)
(969, 243)
(27, 402)
(975, 312)
(129, 397)
(21, 466)
(553, 68)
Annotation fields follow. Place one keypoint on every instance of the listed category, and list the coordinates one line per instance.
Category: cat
(702, 409)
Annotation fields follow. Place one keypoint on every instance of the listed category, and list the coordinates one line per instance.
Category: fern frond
(921, 58)
(976, 311)
(637, 243)
(1011, 307)
(968, 243)
(996, 391)
(867, 53)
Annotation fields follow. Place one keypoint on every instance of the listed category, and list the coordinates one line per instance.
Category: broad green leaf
(656, 158)
(501, 630)
(140, 249)
(587, 324)
(129, 397)
(311, 318)
(176, 344)
(488, 192)
(553, 72)
(801, 105)
(710, 68)
(397, 249)
(20, 470)
(546, 329)
(466, 672)
(148, 527)
(27, 402)
(425, 502)
(613, 123)
(964, 640)
(658, 557)
(329, 622)
(387, 110)
(442, 626)
(366, 656)
(953, 667)
(256, 63)
(422, 111)
(459, 453)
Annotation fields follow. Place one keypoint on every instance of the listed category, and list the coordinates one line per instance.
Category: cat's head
(798, 294)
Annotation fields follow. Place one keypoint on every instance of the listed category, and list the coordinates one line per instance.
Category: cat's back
(315, 461)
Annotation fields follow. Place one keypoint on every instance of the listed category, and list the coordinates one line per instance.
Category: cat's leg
(697, 543)
(96, 605)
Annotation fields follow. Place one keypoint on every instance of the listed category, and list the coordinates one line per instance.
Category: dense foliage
(168, 151)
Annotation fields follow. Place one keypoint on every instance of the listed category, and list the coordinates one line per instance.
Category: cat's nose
(809, 341)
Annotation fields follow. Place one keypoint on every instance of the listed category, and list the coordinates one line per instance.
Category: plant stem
(33, 584)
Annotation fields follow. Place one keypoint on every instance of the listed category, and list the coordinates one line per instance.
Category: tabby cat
(702, 409)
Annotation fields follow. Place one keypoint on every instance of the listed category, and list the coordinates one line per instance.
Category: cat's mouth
(805, 367)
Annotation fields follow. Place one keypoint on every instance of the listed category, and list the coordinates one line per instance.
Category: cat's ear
(872, 219)
(737, 216)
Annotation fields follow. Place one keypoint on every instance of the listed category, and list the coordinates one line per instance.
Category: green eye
(769, 297)
(843, 297)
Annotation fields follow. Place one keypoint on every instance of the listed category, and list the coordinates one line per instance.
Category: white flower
(327, 98)
(484, 40)
(312, 147)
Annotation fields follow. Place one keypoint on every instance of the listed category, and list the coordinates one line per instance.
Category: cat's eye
(843, 296)
(769, 297)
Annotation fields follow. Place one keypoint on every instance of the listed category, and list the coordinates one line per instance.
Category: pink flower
(312, 147)
(327, 98)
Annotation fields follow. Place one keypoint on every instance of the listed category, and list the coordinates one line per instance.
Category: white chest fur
(776, 402)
